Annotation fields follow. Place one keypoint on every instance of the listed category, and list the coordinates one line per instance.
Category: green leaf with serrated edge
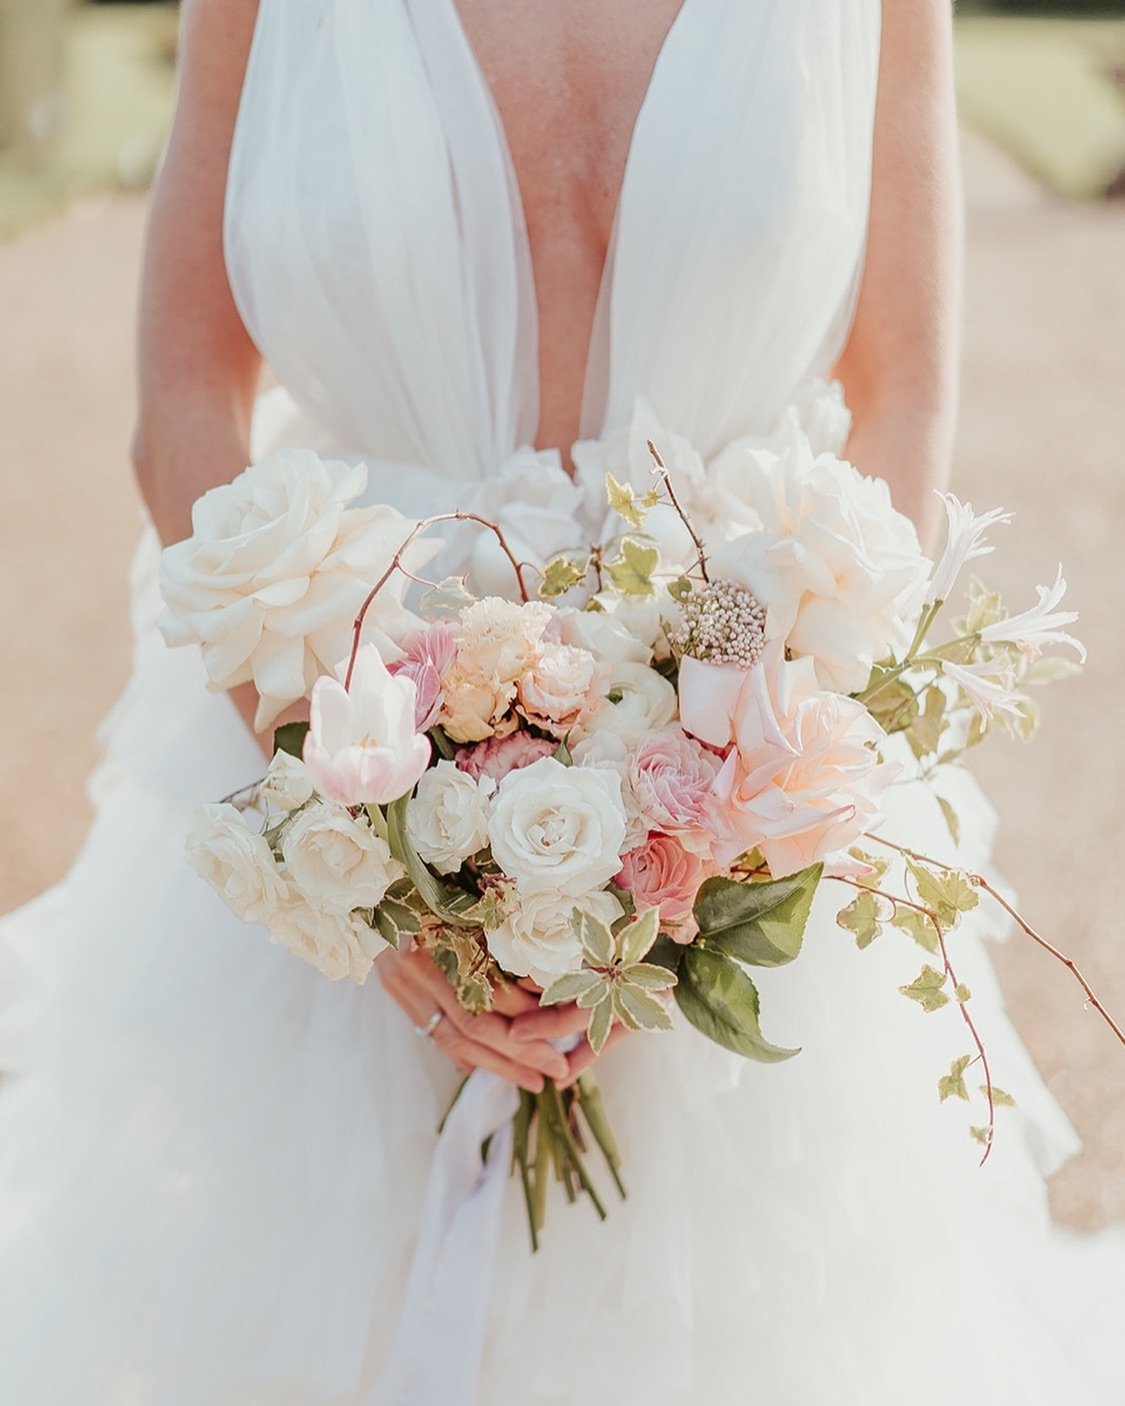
(601, 1022)
(875, 862)
(680, 588)
(926, 989)
(569, 987)
(999, 1097)
(450, 594)
(561, 573)
(447, 903)
(635, 938)
(650, 977)
(864, 917)
(981, 1135)
(721, 1001)
(640, 1011)
(919, 926)
(631, 573)
(947, 891)
(762, 924)
(961, 993)
(952, 1085)
(952, 822)
(623, 501)
(597, 941)
(290, 737)
(490, 910)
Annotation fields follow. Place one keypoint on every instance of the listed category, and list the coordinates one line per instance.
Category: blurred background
(86, 93)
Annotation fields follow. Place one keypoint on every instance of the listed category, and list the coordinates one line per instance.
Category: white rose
(336, 862)
(337, 944)
(288, 784)
(276, 567)
(839, 570)
(643, 702)
(557, 828)
(606, 749)
(447, 818)
(236, 862)
(537, 939)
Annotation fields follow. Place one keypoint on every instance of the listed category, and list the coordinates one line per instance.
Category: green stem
(521, 1126)
(551, 1100)
(593, 1108)
(542, 1172)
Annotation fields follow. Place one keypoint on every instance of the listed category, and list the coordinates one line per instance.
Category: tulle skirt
(212, 1160)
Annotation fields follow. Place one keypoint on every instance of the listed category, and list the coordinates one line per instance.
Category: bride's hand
(537, 1023)
(473, 1042)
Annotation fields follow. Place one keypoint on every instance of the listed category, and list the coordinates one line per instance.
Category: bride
(455, 232)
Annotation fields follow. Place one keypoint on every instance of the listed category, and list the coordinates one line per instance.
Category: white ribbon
(435, 1357)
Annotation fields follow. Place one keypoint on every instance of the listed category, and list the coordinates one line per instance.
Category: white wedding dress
(212, 1160)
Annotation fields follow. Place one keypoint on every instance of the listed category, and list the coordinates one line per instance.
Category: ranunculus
(362, 747)
(662, 874)
(337, 944)
(447, 817)
(642, 701)
(275, 570)
(839, 570)
(288, 784)
(558, 829)
(497, 756)
(803, 779)
(673, 778)
(606, 749)
(537, 940)
(562, 688)
(338, 863)
(236, 862)
(427, 655)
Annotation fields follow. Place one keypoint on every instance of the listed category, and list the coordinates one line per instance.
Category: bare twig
(665, 478)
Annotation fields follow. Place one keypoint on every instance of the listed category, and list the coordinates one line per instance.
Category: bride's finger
(550, 1022)
(583, 1056)
(459, 1048)
(512, 1000)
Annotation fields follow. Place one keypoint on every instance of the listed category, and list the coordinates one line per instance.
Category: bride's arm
(900, 366)
(198, 369)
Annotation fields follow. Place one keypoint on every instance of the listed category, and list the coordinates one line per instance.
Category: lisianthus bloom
(662, 874)
(802, 781)
(363, 747)
(673, 776)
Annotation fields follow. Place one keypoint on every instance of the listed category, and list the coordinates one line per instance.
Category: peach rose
(662, 874)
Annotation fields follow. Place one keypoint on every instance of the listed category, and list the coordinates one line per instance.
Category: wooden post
(31, 74)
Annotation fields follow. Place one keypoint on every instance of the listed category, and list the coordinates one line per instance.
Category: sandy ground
(1042, 422)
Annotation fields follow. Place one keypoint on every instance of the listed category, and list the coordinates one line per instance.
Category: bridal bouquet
(625, 780)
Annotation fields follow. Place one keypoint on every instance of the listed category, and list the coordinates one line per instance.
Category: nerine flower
(1040, 625)
(964, 542)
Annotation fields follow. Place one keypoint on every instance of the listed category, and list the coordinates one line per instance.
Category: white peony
(338, 863)
(558, 829)
(337, 944)
(447, 817)
(642, 702)
(276, 567)
(839, 570)
(237, 863)
(288, 784)
(537, 939)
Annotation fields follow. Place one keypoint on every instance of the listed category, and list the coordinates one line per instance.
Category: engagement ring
(424, 1032)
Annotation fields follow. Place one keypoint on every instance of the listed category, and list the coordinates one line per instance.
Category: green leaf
(447, 903)
(561, 573)
(952, 1085)
(680, 588)
(926, 989)
(638, 1010)
(636, 937)
(961, 993)
(650, 977)
(762, 924)
(490, 910)
(632, 572)
(894, 707)
(985, 608)
(864, 916)
(623, 501)
(920, 928)
(925, 732)
(601, 1022)
(947, 891)
(1050, 668)
(569, 987)
(450, 594)
(999, 1097)
(597, 941)
(981, 1135)
(290, 737)
(721, 1001)
(562, 754)
(952, 822)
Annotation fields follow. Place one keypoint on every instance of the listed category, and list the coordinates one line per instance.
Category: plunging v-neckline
(605, 276)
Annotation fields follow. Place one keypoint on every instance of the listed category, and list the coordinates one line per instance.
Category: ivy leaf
(680, 588)
(721, 1001)
(761, 924)
(952, 1085)
(999, 1097)
(623, 501)
(864, 917)
(491, 909)
(926, 989)
(393, 920)
(290, 737)
(560, 574)
(948, 892)
(632, 572)
(961, 993)
(450, 594)
(981, 1135)
(919, 927)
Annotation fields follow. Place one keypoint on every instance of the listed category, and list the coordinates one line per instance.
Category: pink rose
(673, 777)
(497, 756)
(803, 779)
(426, 655)
(662, 874)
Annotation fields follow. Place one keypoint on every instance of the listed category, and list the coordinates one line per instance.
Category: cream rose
(337, 944)
(558, 829)
(447, 817)
(537, 939)
(606, 749)
(237, 863)
(275, 569)
(336, 862)
(288, 784)
(562, 689)
(642, 702)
